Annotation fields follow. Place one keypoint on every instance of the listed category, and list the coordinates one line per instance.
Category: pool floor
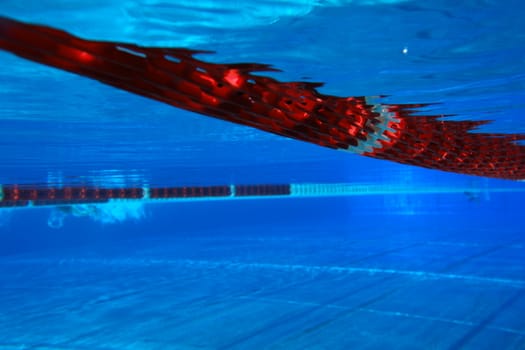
(280, 291)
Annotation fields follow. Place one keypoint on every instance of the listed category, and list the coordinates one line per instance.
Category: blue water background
(404, 270)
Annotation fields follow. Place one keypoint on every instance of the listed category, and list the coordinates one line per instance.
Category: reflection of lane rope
(25, 196)
(293, 109)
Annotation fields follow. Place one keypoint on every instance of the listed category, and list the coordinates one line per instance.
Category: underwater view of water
(371, 255)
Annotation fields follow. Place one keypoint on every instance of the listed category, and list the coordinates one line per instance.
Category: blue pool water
(408, 258)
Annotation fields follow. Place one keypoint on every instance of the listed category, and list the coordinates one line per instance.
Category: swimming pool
(355, 253)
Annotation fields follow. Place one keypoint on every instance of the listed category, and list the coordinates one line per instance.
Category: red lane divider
(293, 109)
(18, 196)
(262, 190)
(190, 192)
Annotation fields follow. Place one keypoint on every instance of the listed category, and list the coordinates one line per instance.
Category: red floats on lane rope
(262, 190)
(292, 109)
(15, 196)
(189, 192)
